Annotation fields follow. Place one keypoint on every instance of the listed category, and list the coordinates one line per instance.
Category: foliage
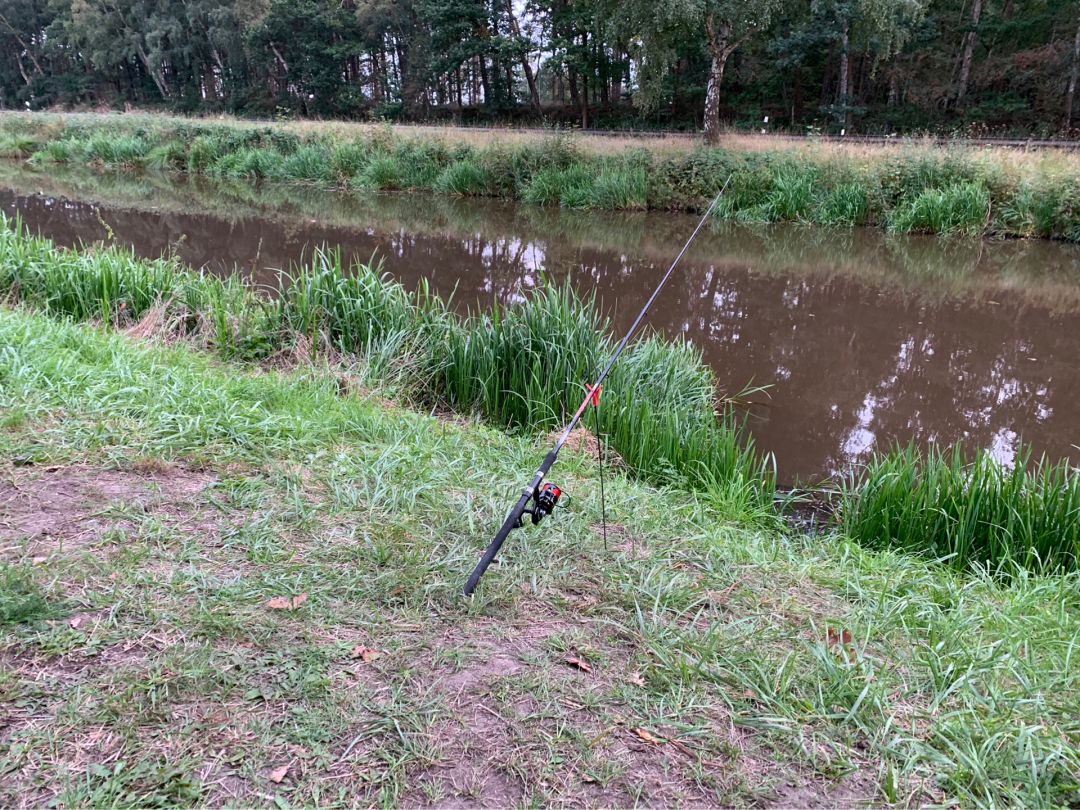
(637, 64)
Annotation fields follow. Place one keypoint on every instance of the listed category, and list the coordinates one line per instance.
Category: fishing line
(545, 498)
(600, 464)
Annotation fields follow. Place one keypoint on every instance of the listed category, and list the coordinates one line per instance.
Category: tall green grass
(968, 511)
(912, 189)
(962, 208)
(522, 365)
(464, 177)
(15, 145)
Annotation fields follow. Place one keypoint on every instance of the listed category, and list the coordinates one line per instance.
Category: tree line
(1006, 66)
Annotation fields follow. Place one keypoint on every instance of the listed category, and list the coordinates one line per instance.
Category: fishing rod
(545, 498)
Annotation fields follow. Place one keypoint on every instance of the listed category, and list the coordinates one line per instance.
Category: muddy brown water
(864, 340)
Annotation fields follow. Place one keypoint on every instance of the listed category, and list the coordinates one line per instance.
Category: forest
(976, 67)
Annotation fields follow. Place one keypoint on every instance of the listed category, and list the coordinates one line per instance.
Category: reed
(567, 186)
(845, 204)
(968, 511)
(113, 286)
(382, 173)
(524, 364)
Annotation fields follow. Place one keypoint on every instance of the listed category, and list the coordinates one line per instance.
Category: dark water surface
(864, 340)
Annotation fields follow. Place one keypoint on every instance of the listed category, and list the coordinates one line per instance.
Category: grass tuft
(463, 177)
(21, 600)
(961, 208)
(968, 512)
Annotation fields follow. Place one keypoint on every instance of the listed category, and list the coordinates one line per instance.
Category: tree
(726, 24)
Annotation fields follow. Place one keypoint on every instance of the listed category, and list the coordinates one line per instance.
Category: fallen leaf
(834, 638)
(284, 603)
(278, 774)
(635, 678)
(366, 654)
(584, 666)
(647, 736)
(75, 621)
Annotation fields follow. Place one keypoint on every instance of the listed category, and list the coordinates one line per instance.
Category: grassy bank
(914, 189)
(230, 585)
(521, 366)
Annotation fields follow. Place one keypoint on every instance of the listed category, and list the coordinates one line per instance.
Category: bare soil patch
(68, 507)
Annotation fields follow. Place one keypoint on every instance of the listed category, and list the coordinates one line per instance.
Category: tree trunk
(155, 72)
(720, 48)
(376, 85)
(969, 52)
(484, 81)
(22, 70)
(616, 76)
(530, 77)
(25, 47)
(843, 92)
(585, 83)
(1074, 75)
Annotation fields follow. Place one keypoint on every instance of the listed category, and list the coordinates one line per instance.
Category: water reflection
(864, 340)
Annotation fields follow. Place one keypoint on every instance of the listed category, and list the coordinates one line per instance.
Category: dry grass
(1013, 159)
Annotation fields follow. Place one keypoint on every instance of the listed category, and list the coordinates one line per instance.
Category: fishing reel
(544, 502)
